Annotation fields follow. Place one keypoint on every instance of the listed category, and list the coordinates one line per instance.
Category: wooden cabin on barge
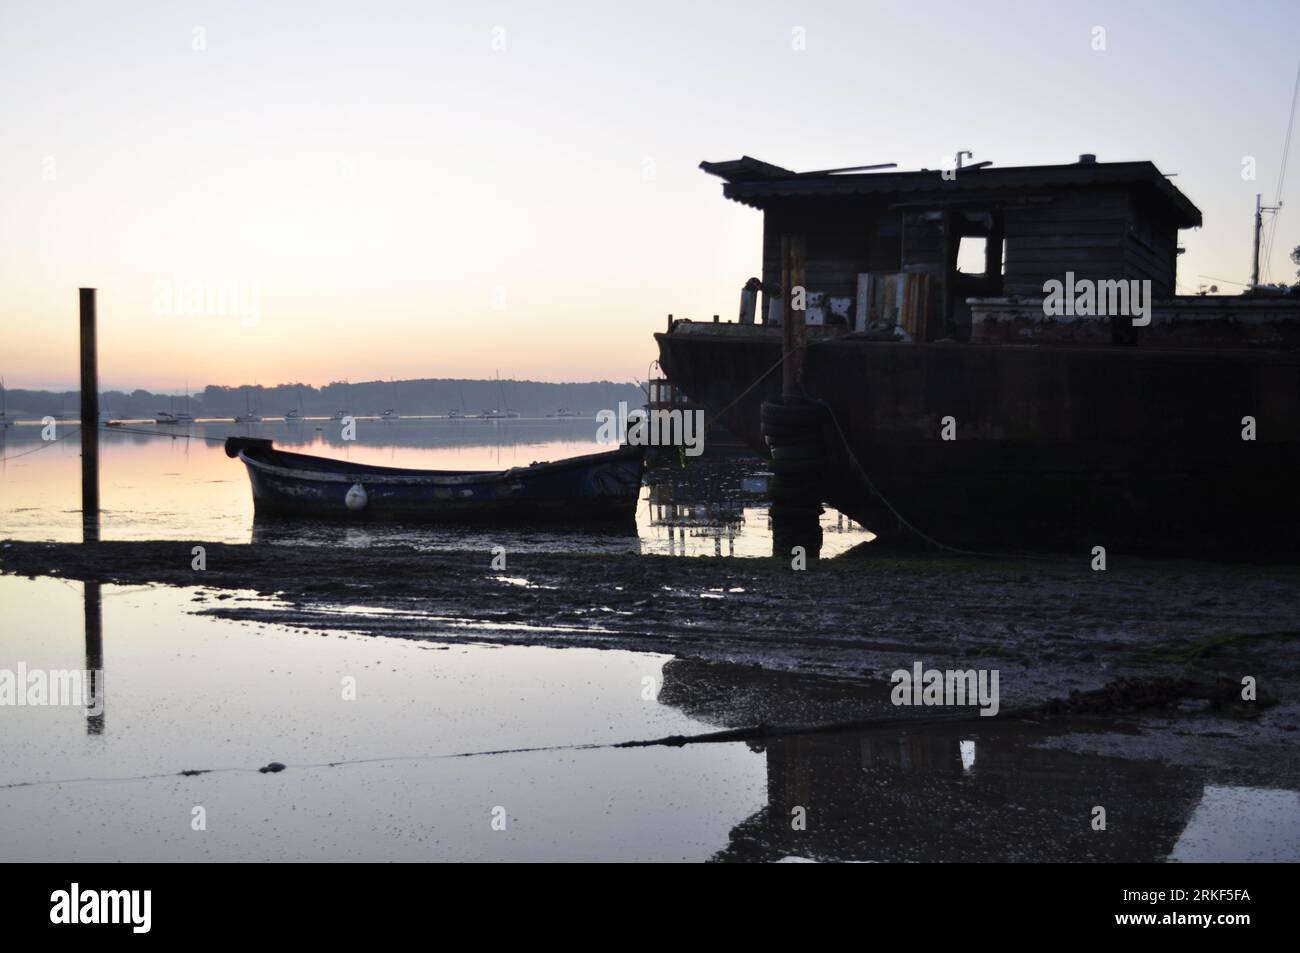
(974, 232)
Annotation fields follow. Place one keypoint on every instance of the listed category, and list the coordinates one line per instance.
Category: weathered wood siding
(836, 244)
(1151, 249)
(1084, 232)
(1097, 233)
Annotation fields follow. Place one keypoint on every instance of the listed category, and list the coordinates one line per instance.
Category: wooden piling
(89, 421)
(792, 320)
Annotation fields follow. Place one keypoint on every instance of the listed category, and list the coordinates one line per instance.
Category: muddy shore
(1050, 629)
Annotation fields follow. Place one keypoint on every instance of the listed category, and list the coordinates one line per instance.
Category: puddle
(1242, 824)
(404, 770)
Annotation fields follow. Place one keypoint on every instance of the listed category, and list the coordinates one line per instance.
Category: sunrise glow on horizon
(438, 191)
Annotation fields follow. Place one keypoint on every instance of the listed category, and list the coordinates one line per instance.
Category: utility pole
(1259, 227)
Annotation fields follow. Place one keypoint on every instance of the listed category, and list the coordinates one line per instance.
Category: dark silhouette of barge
(969, 403)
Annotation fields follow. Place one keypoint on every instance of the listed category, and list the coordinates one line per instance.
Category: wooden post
(792, 324)
(89, 421)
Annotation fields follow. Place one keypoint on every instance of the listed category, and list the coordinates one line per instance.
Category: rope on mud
(1104, 705)
(749, 733)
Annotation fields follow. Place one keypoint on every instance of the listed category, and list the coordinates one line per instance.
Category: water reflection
(177, 483)
(1242, 824)
(94, 626)
(971, 792)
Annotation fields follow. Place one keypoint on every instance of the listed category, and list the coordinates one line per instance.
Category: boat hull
(601, 487)
(1055, 448)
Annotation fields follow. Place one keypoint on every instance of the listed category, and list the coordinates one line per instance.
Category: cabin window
(972, 254)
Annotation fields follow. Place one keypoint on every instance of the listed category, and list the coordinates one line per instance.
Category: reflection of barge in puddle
(724, 500)
(979, 791)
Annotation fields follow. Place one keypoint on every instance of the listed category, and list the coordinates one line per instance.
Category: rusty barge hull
(1057, 448)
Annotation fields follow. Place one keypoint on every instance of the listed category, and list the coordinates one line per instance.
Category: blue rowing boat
(598, 487)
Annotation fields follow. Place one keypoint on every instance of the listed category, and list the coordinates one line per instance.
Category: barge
(963, 407)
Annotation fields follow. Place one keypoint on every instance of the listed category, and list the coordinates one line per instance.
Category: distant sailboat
(185, 417)
(4, 416)
(295, 415)
(565, 410)
(249, 416)
(171, 416)
(458, 413)
(498, 414)
(391, 413)
(341, 413)
(167, 416)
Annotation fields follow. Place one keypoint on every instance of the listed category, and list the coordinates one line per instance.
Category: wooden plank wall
(1096, 233)
(1151, 249)
(1083, 232)
(836, 243)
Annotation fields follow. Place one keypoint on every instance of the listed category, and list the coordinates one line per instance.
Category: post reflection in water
(94, 670)
(704, 520)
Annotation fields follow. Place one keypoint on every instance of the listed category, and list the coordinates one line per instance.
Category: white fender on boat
(356, 498)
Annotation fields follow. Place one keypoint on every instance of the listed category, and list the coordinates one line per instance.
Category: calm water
(382, 775)
(409, 748)
(178, 483)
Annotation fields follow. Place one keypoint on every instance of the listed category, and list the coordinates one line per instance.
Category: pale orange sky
(418, 191)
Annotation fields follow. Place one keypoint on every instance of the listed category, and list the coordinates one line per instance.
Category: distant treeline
(410, 397)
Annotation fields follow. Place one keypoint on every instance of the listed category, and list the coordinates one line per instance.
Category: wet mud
(1164, 645)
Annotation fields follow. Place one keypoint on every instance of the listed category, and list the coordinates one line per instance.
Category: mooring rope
(45, 445)
(118, 429)
(161, 433)
(862, 473)
(853, 458)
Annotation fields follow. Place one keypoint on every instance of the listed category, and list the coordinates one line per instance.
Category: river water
(433, 748)
(159, 482)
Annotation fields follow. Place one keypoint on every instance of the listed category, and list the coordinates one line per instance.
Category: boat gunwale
(413, 477)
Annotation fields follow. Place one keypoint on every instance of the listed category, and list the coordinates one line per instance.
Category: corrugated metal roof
(755, 183)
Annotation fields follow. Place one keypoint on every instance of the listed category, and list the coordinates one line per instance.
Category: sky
(321, 191)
